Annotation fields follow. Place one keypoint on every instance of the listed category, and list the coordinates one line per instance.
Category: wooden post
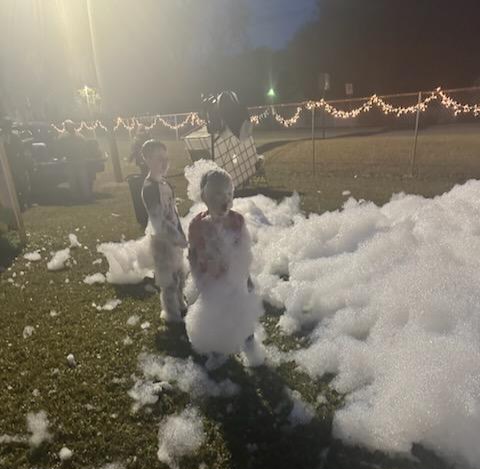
(313, 142)
(12, 193)
(414, 150)
(114, 155)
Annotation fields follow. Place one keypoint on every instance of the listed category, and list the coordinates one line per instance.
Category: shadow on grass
(255, 425)
(341, 456)
(139, 291)
(173, 341)
(252, 429)
(252, 426)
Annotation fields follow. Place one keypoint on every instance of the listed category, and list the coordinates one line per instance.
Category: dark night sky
(149, 62)
(274, 22)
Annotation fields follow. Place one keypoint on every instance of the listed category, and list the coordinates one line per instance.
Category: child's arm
(174, 233)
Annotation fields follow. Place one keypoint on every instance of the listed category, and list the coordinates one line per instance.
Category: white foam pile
(37, 424)
(33, 256)
(146, 393)
(57, 262)
(129, 261)
(74, 241)
(180, 435)
(28, 331)
(194, 174)
(94, 278)
(9, 439)
(133, 320)
(110, 305)
(184, 374)
(389, 297)
(65, 454)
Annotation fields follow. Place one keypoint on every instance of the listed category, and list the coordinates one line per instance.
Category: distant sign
(349, 89)
(324, 81)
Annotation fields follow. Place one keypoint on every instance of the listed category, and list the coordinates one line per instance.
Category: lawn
(88, 406)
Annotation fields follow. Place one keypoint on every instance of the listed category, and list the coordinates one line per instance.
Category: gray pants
(169, 277)
(171, 297)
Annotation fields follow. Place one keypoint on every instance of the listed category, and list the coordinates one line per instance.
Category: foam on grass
(33, 256)
(180, 435)
(57, 262)
(388, 297)
(65, 454)
(11, 439)
(110, 305)
(28, 331)
(94, 278)
(133, 320)
(186, 375)
(74, 243)
(37, 424)
(146, 393)
(129, 262)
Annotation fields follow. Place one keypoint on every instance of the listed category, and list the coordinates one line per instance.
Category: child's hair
(150, 146)
(212, 175)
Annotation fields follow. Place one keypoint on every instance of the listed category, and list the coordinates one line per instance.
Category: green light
(271, 93)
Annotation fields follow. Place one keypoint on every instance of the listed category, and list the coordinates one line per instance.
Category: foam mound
(388, 297)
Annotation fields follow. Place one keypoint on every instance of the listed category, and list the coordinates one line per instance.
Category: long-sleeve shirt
(159, 200)
(211, 242)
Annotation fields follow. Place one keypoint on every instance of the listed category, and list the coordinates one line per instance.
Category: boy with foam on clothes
(222, 321)
(167, 238)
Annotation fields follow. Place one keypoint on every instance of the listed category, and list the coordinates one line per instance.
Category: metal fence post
(415, 138)
(323, 123)
(176, 128)
(114, 155)
(313, 142)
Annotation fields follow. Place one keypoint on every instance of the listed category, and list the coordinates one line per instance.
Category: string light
(193, 119)
(457, 107)
(287, 122)
(256, 119)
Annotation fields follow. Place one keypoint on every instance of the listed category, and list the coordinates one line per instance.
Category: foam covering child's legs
(169, 297)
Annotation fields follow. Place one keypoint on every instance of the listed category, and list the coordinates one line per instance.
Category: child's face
(158, 162)
(218, 196)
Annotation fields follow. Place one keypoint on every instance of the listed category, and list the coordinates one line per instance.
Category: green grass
(88, 406)
(373, 168)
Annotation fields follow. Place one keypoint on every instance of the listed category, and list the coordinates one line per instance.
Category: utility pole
(117, 169)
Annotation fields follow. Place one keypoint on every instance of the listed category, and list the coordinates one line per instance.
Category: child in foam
(223, 319)
(167, 239)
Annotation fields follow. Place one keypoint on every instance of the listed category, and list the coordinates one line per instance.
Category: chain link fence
(437, 140)
(427, 134)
